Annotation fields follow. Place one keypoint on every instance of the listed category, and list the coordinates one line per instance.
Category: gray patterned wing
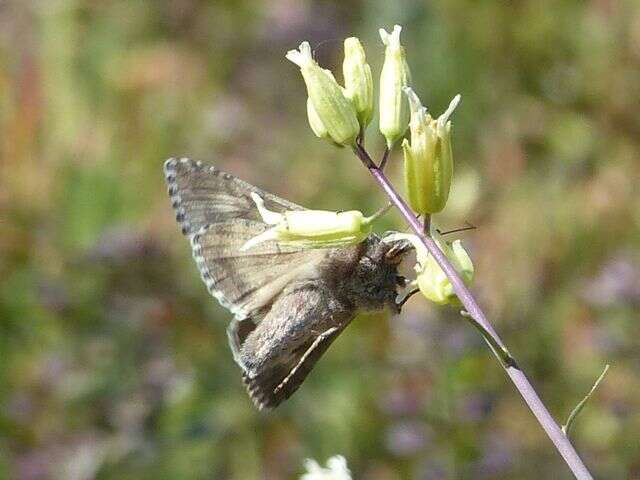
(279, 353)
(202, 195)
(216, 212)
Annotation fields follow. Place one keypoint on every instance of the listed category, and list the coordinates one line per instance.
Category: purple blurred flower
(617, 281)
(407, 438)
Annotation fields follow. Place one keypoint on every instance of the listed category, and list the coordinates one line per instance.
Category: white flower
(336, 469)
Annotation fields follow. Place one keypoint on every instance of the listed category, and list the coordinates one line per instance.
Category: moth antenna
(469, 226)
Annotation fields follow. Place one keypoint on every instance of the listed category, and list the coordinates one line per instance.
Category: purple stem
(546, 421)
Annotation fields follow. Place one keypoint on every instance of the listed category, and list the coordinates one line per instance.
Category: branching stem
(385, 157)
(517, 376)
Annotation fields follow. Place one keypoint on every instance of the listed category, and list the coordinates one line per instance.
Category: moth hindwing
(289, 304)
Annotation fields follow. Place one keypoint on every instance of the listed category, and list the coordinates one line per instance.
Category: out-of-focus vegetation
(113, 359)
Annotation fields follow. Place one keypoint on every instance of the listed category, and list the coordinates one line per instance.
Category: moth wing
(216, 211)
(274, 386)
(290, 340)
(203, 195)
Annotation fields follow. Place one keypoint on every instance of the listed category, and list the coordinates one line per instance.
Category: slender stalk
(385, 157)
(517, 376)
(426, 225)
(566, 428)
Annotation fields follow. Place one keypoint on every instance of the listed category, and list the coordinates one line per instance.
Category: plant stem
(517, 376)
(426, 225)
(385, 157)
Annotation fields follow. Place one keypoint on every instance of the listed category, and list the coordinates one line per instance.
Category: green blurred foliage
(114, 360)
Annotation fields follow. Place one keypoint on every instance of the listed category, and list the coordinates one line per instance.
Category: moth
(289, 304)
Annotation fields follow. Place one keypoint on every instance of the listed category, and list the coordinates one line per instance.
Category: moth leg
(406, 297)
(321, 338)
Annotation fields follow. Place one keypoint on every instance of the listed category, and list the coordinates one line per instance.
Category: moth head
(396, 250)
(376, 278)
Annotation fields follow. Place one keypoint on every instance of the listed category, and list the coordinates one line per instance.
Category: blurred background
(114, 361)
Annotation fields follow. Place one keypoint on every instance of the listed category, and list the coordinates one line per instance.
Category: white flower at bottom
(336, 469)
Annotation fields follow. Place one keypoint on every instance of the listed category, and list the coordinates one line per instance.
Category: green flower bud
(334, 110)
(394, 114)
(358, 82)
(433, 282)
(311, 228)
(431, 279)
(314, 121)
(428, 159)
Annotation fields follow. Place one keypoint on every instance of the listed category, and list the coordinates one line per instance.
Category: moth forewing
(216, 212)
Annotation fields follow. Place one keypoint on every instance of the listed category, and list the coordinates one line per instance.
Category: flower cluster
(341, 114)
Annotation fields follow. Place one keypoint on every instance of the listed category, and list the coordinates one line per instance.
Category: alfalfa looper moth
(289, 304)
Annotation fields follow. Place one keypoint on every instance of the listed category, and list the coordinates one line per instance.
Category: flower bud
(314, 121)
(394, 114)
(334, 110)
(358, 82)
(311, 228)
(428, 159)
(431, 279)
